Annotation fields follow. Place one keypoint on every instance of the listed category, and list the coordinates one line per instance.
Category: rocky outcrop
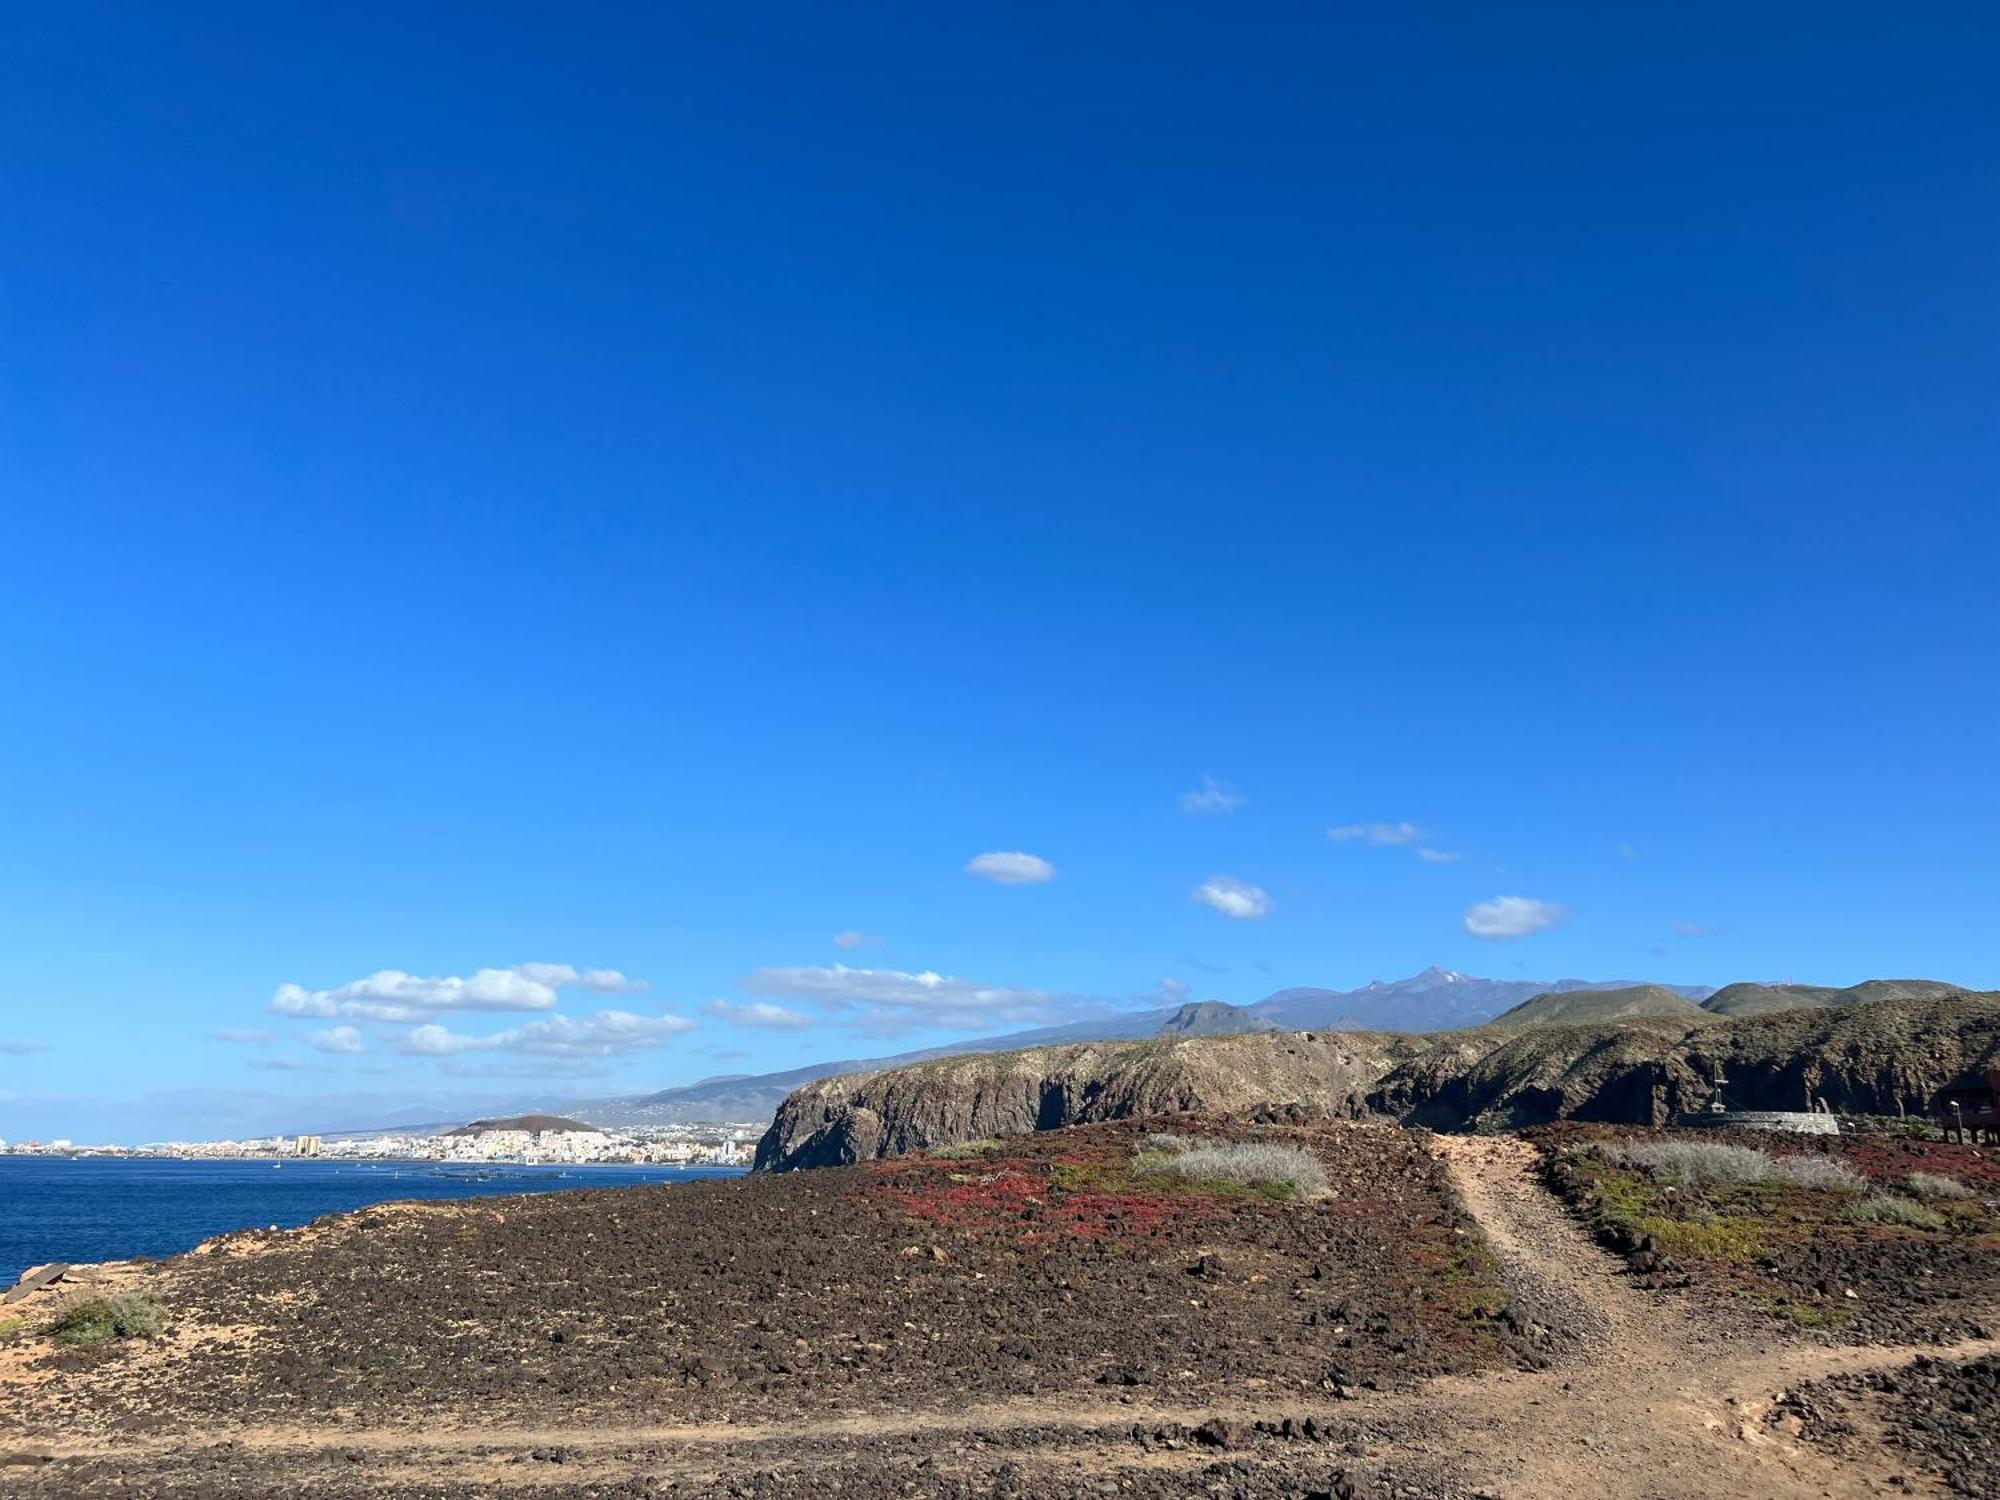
(860, 1117)
(1884, 1057)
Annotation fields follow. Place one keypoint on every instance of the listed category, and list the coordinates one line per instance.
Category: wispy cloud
(757, 1013)
(1694, 929)
(337, 1039)
(20, 1047)
(1196, 961)
(1439, 856)
(851, 940)
(286, 1065)
(1235, 899)
(392, 995)
(248, 1036)
(607, 1033)
(1375, 833)
(1210, 797)
(1011, 867)
(885, 998)
(1512, 917)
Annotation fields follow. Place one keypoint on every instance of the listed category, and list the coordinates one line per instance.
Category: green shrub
(131, 1315)
(1712, 1239)
(961, 1150)
(11, 1329)
(1886, 1208)
(1935, 1185)
(1807, 1315)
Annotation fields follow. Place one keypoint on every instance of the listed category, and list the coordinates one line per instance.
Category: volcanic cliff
(1885, 1057)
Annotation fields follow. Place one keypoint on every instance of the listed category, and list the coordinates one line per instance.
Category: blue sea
(107, 1208)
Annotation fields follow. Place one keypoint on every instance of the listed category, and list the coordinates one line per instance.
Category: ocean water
(107, 1208)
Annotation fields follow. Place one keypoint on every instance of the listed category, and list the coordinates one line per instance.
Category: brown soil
(1039, 1322)
(1797, 1257)
(1938, 1413)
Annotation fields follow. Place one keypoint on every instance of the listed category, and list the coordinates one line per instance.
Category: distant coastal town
(527, 1140)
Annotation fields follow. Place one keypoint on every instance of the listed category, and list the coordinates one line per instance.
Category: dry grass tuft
(1281, 1171)
(1710, 1164)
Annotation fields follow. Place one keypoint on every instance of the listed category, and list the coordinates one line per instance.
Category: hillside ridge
(1884, 1057)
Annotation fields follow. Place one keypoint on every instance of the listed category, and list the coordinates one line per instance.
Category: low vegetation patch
(1710, 1164)
(1277, 1171)
(12, 1329)
(1935, 1185)
(1867, 1238)
(102, 1319)
(965, 1150)
(1887, 1208)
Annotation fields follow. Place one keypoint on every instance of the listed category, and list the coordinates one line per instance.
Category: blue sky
(655, 489)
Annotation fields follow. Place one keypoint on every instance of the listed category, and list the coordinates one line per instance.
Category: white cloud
(1211, 796)
(1011, 867)
(433, 1040)
(337, 1039)
(1512, 917)
(887, 997)
(1375, 833)
(607, 1033)
(851, 940)
(392, 995)
(1439, 856)
(597, 981)
(1233, 898)
(757, 1013)
(16, 1047)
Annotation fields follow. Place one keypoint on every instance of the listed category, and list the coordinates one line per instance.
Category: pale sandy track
(1659, 1405)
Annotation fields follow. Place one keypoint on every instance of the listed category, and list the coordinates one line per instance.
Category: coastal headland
(1093, 1310)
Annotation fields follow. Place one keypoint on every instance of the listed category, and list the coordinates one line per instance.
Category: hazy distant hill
(1577, 1007)
(1764, 999)
(525, 1123)
(1213, 1018)
(1435, 1000)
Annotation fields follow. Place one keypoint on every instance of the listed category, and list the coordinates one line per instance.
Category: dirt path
(1652, 1403)
(1660, 1405)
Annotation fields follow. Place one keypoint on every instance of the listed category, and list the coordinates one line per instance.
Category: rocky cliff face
(864, 1116)
(1885, 1057)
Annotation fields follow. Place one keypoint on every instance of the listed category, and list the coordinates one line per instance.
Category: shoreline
(363, 1161)
(182, 1216)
